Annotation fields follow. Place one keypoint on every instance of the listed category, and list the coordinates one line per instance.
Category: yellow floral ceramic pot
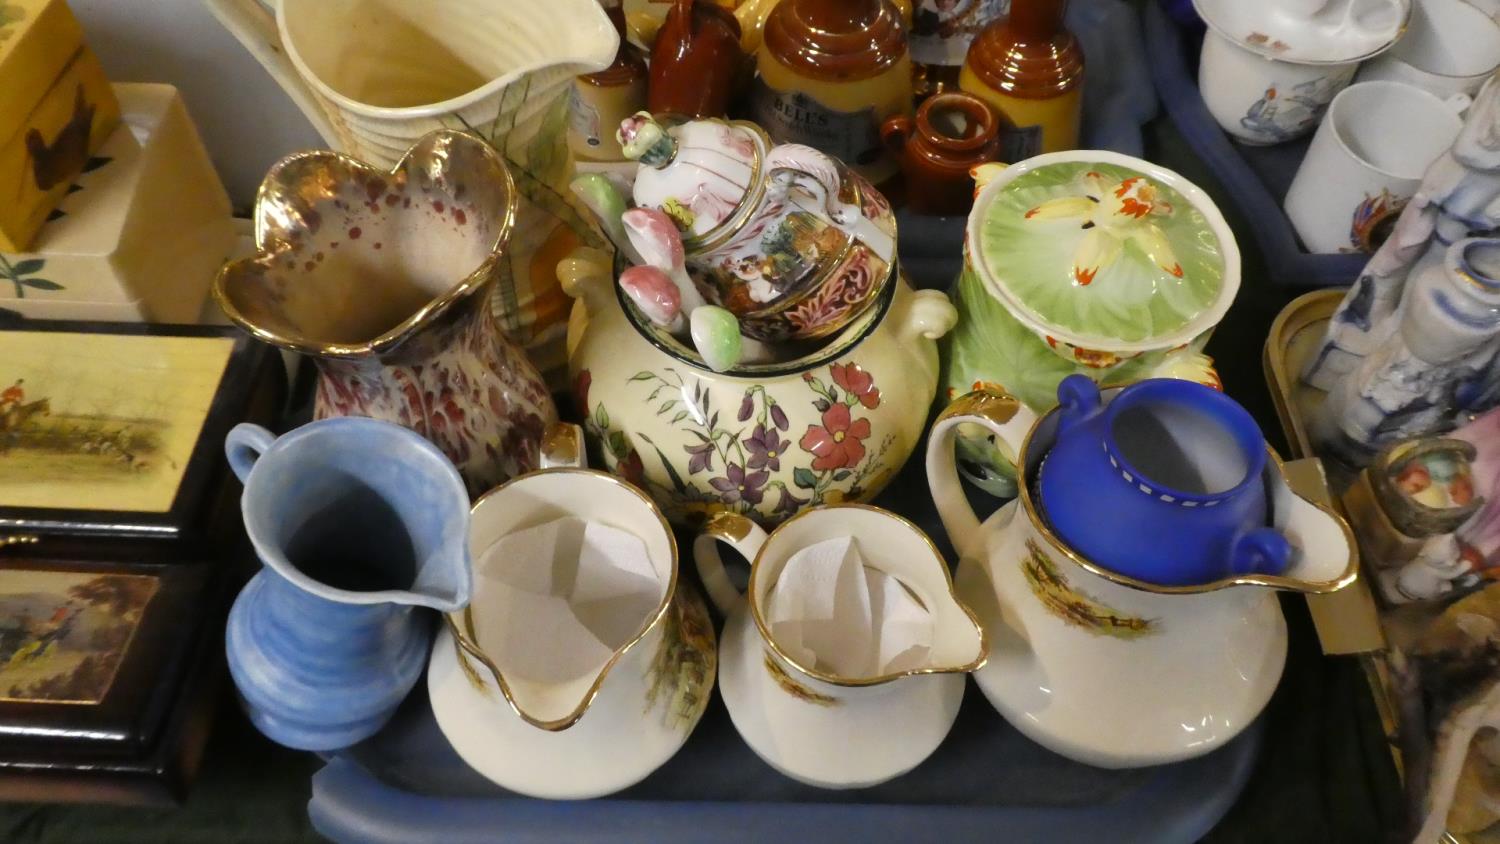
(764, 440)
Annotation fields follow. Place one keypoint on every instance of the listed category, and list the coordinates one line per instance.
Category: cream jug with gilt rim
(582, 662)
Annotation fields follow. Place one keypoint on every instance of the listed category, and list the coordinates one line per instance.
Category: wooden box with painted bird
(56, 108)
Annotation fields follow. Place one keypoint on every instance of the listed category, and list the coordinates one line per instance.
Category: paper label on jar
(792, 117)
(942, 29)
(583, 118)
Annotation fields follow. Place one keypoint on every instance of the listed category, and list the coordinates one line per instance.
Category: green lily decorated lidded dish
(1103, 255)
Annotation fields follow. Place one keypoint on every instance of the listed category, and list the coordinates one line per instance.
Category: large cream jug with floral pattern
(1101, 667)
(373, 76)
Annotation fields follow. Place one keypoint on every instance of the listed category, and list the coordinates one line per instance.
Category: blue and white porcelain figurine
(1165, 483)
(1381, 388)
(358, 522)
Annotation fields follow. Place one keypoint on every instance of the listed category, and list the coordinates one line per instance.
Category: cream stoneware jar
(762, 440)
(1103, 668)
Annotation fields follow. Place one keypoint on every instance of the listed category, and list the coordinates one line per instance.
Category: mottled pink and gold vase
(384, 278)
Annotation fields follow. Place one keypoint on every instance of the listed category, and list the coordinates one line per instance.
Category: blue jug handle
(1260, 551)
(244, 445)
(1077, 399)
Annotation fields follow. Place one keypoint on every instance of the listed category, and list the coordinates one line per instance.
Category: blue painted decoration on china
(1165, 483)
(358, 523)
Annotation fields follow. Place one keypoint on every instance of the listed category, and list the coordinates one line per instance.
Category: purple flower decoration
(747, 406)
(737, 486)
(702, 457)
(766, 448)
(778, 416)
(787, 503)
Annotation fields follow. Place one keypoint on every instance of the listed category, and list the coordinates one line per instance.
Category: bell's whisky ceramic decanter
(1030, 68)
(788, 239)
(695, 60)
(828, 73)
(599, 101)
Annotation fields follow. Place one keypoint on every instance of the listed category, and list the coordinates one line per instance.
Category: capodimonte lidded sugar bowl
(1105, 668)
(835, 423)
(788, 239)
(1084, 262)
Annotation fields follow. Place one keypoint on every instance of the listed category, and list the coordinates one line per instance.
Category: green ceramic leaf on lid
(1098, 253)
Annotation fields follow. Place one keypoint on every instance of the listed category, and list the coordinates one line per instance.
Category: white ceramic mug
(1366, 161)
(1450, 47)
(807, 721)
(1260, 100)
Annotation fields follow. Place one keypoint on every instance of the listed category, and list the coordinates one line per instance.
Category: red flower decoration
(857, 383)
(837, 444)
(581, 390)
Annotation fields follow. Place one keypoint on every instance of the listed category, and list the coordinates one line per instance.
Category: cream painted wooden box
(142, 232)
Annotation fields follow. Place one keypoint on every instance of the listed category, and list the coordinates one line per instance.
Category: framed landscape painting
(117, 428)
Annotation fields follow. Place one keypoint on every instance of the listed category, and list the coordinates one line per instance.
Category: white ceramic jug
(1103, 668)
(373, 76)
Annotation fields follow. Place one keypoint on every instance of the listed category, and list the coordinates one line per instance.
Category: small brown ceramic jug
(952, 133)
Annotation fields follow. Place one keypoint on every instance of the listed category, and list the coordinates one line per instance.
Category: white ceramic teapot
(1100, 667)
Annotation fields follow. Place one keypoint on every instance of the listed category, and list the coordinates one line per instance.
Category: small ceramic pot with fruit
(834, 422)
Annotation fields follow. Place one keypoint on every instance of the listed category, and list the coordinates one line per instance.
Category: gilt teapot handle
(1005, 417)
(795, 165)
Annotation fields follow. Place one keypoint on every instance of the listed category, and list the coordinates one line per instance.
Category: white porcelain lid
(1308, 31)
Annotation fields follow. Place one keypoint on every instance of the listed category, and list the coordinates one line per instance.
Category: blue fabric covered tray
(1256, 178)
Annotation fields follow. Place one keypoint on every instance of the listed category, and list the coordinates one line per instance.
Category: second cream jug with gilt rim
(1100, 667)
(843, 659)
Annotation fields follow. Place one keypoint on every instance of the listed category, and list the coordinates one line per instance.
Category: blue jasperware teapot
(1165, 482)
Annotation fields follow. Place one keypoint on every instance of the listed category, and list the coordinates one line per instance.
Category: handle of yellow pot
(1005, 417)
(740, 533)
(562, 447)
(253, 24)
(921, 317)
(587, 274)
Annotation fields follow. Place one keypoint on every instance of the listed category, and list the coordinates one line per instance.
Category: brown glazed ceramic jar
(695, 61)
(1030, 68)
(599, 101)
(951, 134)
(828, 73)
